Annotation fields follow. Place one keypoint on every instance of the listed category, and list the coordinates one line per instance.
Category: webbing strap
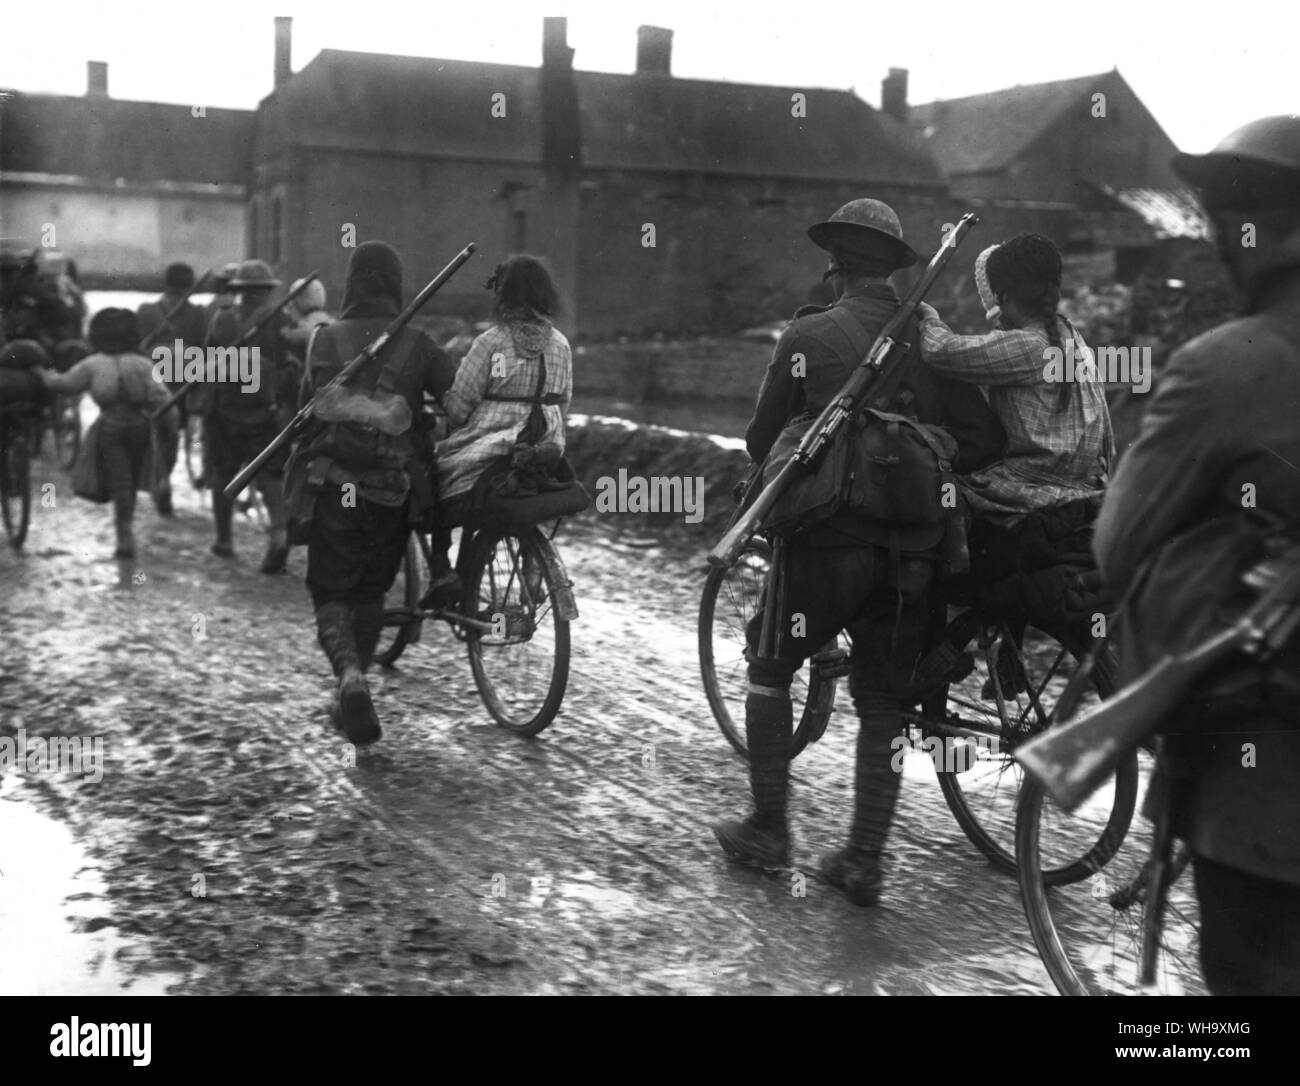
(859, 338)
(548, 400)
(861, 341)
(351, 340)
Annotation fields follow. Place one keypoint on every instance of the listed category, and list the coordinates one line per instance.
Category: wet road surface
(244, 847)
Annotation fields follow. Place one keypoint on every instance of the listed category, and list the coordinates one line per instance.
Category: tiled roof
(367, 101)
(988, 131)
(1171, 213)
(106, 139)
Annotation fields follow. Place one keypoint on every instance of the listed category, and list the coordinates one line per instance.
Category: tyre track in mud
(711, 782)
(454, 856)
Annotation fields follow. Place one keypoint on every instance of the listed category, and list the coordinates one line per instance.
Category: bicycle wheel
(401, 602)
(1089, 934)
(15, 480)
(65, 412)
(730, 599)
(515, 583)
(980, 778)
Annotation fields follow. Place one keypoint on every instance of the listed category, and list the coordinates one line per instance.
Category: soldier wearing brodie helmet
(845, 573)
(1215, 465)
(242, 419)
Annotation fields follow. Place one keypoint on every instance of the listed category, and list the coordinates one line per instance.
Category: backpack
(360, 435)
(884, 467)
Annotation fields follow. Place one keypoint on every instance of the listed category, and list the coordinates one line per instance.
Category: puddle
(575, 898)
(50, 895)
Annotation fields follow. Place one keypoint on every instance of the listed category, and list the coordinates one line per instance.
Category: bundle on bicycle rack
(1042, 568)
(19, 382)
(532, 485)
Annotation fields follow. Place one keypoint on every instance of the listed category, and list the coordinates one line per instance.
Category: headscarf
(374, 274)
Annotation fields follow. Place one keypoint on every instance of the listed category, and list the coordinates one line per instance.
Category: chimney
(893, 94)
(283, 49)
(561, 126)
(96, 79)
(556, 53)
(654, 50)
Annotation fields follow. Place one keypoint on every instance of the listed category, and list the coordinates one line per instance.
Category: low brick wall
(599, 447)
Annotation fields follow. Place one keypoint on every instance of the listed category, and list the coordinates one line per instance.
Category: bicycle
(513, 617)
(971, 725)
(19, 433)
(1133, 927)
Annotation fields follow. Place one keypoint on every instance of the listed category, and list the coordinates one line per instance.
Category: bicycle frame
(566, 607)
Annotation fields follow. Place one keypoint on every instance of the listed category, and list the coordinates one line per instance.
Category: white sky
(1202, 69)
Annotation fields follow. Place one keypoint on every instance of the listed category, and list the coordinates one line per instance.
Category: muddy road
(242, 846)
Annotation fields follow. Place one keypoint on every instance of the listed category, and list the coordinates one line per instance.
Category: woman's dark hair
(114, 331)
(1027, 269)
(524, 286)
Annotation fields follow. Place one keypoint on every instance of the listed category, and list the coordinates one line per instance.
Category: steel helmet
(226, 274)
(254, 273)
(1258, 163)
(866, 228)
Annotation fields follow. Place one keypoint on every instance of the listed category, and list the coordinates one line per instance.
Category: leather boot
(355, 712)
(223, 510)
(764, 837)
(277, 553)
(855, 869)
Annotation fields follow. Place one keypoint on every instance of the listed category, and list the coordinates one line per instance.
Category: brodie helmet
(223, 277)
(865, 228)
(1257, 165)
(254, 273)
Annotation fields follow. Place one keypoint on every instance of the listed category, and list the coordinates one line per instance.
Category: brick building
(1080, 160)
(582, 167)
(127, 186)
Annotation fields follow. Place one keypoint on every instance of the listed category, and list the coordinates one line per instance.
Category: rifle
(886, 352)
(148, 341)
(1073, 760)
(368, 354)
(245, 338)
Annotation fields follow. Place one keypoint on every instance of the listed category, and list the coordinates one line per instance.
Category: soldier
(308, 313)
(1218, 449)
(841, 574)
(18, 296)
(241, 418)
(359, 487)
(223, 297)
(189, 325)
